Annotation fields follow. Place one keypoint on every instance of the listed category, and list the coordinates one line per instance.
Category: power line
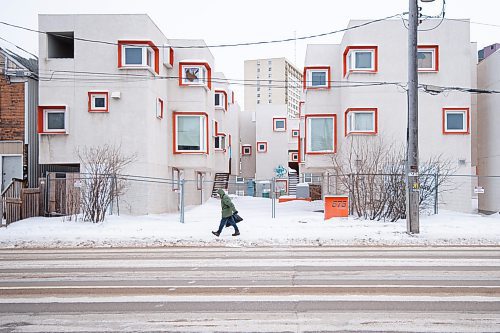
(262, 42)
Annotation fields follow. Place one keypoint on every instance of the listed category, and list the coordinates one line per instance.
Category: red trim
(121, 43)
(209, 74)
(171, 53)
(374, 110)
(299, 148)
(328, 82)
(174, 124)
(90, 93)
(161, 111)
(232, 97)
(300, 108)
(274, 125)
(319, 115)
(295, 136)
(41, 109)
(467, 114)
(362, 47)
(262, 143)
(243, 150)
(436, 58)
(225, 99)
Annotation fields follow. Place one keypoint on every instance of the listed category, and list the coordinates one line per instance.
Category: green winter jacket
(226, 204)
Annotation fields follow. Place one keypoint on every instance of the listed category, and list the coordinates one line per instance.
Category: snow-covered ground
(296, 223)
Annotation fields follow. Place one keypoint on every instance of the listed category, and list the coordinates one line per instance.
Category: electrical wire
(262, 42)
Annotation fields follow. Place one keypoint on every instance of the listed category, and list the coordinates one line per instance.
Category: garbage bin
(265, 193)
(302, 191)
(336, 206)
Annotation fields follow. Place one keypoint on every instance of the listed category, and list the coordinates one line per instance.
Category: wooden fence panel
(30, 199)
(12, 210)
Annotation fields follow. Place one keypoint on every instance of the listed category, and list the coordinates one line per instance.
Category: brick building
(18, 103)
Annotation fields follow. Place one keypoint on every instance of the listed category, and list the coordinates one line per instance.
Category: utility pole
(412, 184)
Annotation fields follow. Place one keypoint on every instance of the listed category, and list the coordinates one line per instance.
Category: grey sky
(224, 21)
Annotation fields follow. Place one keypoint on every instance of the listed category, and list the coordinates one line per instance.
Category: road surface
(261, 289)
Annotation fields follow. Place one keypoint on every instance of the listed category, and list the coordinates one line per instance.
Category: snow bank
(296, 223)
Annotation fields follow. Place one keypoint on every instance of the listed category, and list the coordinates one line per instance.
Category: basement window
(61, 44)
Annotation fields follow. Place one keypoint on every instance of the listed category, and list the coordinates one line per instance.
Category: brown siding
(11, 110)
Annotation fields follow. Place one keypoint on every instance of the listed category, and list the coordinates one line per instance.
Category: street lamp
(412, 184)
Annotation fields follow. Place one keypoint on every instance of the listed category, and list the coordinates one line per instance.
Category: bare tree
(101, 182)
(373, 173)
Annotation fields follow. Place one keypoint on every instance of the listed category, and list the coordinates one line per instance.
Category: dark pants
(229, 220)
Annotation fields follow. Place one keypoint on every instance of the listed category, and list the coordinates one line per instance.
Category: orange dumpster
(336, 206)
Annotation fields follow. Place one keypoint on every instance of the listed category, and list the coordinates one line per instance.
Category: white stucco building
(488, 138)
(357, 89)
(156, 97)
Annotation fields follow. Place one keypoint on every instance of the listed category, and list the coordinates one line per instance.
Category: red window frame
(370, 110)
(243, 150)
(90, 109)
(295, 131)
(225, 99)
(350, 48)
(174, 134)
(209, 74)
(149, 43)
(294, 157)
(262, 143)
(319, 115)
(41, 111)
(274, 124)
(305, 81)
(467, 121)
(436, 58)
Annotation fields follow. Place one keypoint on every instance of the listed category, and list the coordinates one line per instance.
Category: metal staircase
(221, 181)
(293, 180)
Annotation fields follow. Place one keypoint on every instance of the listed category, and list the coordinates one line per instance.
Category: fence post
(273, 202)
(436, 189)
(181, 193)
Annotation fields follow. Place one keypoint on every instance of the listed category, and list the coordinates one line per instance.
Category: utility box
(336, 206)
(302, 191)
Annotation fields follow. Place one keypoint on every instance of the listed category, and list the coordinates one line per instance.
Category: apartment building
(272, 81)
(159, 99)
(341, 104)
(18, 102)
(488, 138)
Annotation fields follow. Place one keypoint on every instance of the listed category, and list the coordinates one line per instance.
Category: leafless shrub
(101, 183)
(373, 173)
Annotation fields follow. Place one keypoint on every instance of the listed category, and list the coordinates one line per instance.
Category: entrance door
(12, 167)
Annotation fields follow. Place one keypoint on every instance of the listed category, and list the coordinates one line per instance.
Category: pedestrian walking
(228, 210)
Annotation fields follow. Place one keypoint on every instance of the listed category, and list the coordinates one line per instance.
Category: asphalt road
(299, 289)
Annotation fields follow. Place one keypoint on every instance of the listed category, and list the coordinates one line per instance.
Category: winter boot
(236, 233)
(216, 233)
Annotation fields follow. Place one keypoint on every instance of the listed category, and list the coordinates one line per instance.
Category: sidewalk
(296, 223)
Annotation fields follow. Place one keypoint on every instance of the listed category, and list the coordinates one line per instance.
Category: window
(246, 150)
(316, 77)
(258, 95)
(258, 88)
(98, 101)
(61, 45)
(320, 134)
(138, 54)
(195, 74)
(360, 121)
(269, 62)
(270, 69)
(279, 124)
(191, 131)
(52, 120)
(261, 147)
(159, 108)
(360, 59)
(428, 58)
(295, 133)
(308, 177)
(240, 180)
(220, 142)
(294, 157)
(455, 120)
(221, 99)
